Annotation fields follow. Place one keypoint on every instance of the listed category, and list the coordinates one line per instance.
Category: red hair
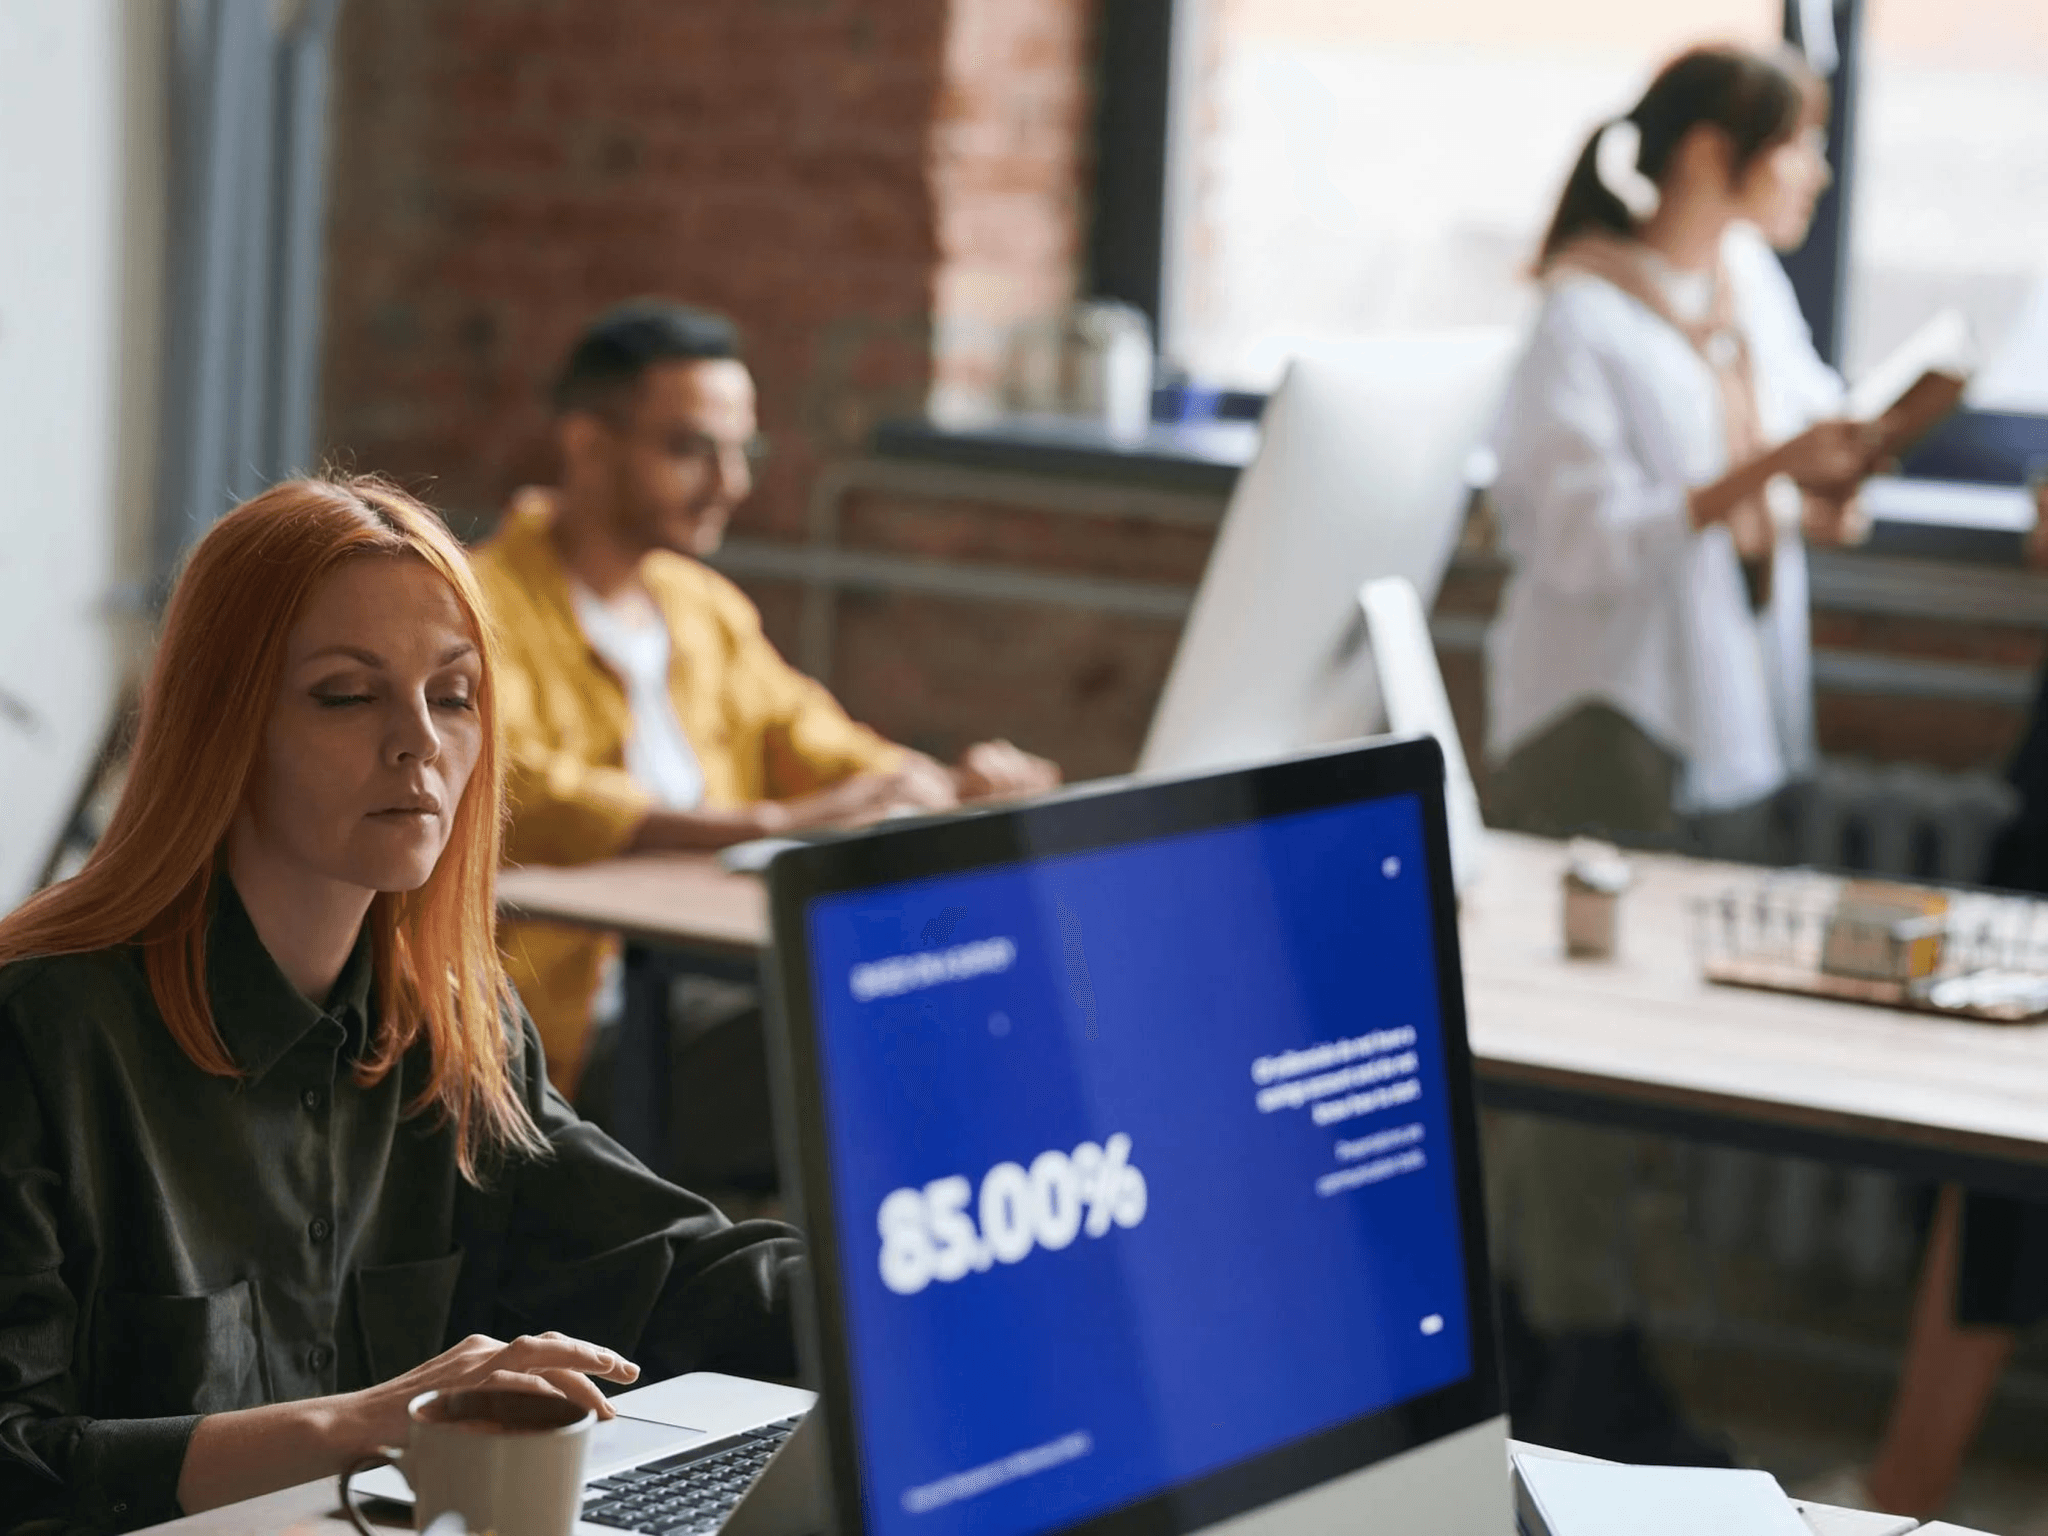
(217, 669)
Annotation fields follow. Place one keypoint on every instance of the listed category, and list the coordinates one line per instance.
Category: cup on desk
(507, 1462)
(1594, 879)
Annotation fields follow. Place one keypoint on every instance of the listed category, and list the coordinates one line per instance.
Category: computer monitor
(1133, 1134)
(1411, 690)
(1362, 472)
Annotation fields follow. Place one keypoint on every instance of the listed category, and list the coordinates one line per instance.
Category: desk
(676, 912)
(1644, 1041)
(311, 1509)
(683, 902)
(1639, 1041)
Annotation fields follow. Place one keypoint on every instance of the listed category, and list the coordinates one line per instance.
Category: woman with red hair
(274, 1130)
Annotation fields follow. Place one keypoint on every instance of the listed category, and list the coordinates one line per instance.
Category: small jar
(1594, 879)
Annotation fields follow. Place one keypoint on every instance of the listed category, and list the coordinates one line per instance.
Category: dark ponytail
(1752, 99)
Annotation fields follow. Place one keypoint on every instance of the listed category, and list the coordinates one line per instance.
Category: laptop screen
(1142, 1162)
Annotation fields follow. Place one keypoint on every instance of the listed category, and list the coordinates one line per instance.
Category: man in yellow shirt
(643, 706)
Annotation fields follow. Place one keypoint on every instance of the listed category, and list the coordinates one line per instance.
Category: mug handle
(387, 1457)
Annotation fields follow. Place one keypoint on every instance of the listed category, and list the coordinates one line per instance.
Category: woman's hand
(1832, 522)
(1830, 459)
(549, 1363)
(1830, 456)
(249, 1451)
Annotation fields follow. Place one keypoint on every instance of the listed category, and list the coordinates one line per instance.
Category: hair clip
(1614, 162)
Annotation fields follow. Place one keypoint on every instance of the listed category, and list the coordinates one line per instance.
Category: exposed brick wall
(1955, 734)
(938, 673)
(1010, 172)
(1074, 684)
(836, 174)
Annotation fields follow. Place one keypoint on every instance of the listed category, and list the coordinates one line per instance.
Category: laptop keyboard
(688, 1493)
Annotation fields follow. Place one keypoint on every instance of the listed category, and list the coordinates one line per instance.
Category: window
(1950, 197)
(1349, 166)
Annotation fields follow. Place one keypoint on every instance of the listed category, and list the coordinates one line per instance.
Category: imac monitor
(1411, 687)
(1134, 1137)
(1362, 472)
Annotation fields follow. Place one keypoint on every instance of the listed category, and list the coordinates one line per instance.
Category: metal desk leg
(641, 1072)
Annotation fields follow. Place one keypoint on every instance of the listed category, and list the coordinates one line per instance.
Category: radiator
(1901, 819)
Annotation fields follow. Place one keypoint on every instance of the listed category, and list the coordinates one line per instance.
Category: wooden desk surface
(311, 1509)
(684, 900)
(1642, 1032)
(1646, 1027)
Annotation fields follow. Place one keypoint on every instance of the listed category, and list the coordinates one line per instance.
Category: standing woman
(277, 1146)
(1649, 673)
(1661, 452)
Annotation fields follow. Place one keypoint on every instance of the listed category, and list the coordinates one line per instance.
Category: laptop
(1135, 1141)
(700, 1453)
(1133, 1134)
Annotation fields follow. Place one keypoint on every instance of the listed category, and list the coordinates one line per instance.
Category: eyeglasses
(707, 449)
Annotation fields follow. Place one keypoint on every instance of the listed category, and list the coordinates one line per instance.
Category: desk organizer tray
(1961, 954)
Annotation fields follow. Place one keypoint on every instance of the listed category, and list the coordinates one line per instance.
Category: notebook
(1592, 1498)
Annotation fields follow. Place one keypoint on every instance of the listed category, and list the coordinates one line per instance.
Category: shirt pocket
(163, 1356)
(403, 1310)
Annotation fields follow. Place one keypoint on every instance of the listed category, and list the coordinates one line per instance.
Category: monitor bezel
(1088, 818)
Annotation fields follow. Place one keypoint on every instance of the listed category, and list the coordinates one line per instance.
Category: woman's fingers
(579, 1388)
(555, 1351)
(520, 1381)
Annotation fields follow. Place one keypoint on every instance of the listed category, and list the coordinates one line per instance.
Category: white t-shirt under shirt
(629, 634)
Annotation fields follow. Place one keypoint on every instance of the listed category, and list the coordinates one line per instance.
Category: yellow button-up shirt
(760, 729)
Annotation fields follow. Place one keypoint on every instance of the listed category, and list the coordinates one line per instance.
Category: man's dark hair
(625, 341)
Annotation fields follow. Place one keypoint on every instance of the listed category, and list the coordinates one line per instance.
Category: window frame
(1819, 269)
(1144, 44)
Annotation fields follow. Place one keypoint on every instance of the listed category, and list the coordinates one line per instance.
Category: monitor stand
(1456, 1486)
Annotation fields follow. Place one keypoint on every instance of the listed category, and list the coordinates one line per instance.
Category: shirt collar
(261, 1015)
(529, 551)
(526, 545)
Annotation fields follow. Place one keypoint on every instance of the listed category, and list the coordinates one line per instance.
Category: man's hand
(916, 786)
(997, 770)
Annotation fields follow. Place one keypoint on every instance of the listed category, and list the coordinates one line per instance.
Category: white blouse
(1610, 419)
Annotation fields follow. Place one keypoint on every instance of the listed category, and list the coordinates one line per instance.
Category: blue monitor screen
(1142, 1162)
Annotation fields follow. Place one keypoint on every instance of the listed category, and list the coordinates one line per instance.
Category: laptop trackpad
(623, 1442)
(614, 1445)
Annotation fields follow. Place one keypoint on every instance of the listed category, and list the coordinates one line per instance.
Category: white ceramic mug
(506, 1462)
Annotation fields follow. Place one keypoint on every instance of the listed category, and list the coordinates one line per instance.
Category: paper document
(1576, 1498)
(1827, 1520)
(1911, 391)
(1941, 346)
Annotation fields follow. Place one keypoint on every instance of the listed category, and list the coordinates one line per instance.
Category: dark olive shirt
(175, 1244)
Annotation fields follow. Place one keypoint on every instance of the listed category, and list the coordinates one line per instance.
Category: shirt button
(319, 1357)
(318, 1228)
(310, 1098)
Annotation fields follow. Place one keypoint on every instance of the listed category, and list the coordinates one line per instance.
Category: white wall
(81, 145)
